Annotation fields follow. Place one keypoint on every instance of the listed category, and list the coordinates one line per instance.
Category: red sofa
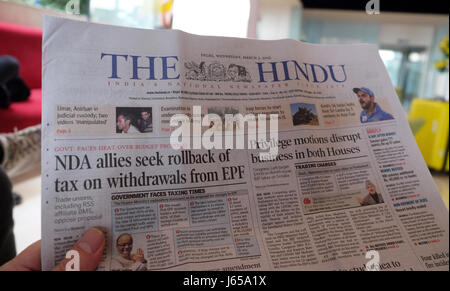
(25, 44)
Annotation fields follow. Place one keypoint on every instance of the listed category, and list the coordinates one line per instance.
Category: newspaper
(343, 185)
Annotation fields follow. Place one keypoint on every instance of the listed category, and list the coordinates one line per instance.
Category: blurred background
(412, 39)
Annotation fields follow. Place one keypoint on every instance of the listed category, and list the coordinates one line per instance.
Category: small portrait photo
(304, 114)
(222, 112)
(371, 195)
(134, 120)
(371, 110)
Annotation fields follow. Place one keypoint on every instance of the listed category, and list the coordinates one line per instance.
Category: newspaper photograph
(225, 154)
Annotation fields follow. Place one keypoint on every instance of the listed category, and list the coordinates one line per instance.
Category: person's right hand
(139, 256)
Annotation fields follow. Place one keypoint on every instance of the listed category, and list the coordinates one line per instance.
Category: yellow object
(166, 6)
(443, 46)
(441, 65)
(429, 122)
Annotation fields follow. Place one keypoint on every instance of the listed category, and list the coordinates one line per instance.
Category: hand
(360, 200)
(90, 247)
(139, 256)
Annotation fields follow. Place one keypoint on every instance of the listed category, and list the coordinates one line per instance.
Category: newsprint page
(211, 153)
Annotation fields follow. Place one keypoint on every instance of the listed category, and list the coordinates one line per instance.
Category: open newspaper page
(323, 172)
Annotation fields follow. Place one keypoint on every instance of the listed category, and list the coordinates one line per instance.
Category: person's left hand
(90, 247)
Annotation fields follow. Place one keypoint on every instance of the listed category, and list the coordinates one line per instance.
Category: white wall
(275, 18)
(406, 35)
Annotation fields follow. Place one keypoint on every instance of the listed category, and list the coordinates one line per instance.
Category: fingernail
(92, 240)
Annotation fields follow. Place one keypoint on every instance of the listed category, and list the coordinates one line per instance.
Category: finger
(28, 260)
(90, 248)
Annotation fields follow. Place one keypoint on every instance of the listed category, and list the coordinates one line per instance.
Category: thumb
(90, 248)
